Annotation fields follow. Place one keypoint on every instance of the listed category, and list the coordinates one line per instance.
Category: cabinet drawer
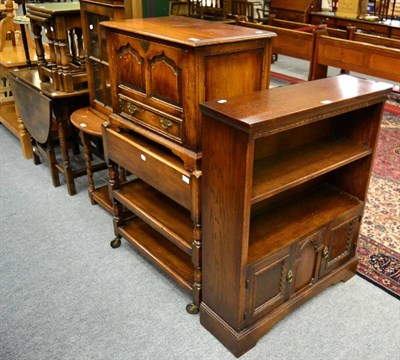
(154, 165)
(157, 121)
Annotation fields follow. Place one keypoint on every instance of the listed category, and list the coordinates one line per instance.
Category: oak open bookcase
(285, 177)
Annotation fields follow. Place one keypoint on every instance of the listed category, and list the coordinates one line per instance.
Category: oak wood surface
(278, 173)
(262, 259)
(160, 251)
(282, 226)
(31, 77)
(370, 59)
(160, 70)
(161, 170)
(85, 119)
(188, 31)
(390, 29)
(153, 207)
(101, 195)
(267, 111)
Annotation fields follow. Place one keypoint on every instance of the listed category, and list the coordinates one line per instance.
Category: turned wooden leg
(65, 156)
(35, 152)
(51, 155)
(24, 137)
(86, 142)
(193, 308)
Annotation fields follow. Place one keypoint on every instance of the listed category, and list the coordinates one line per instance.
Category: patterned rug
(379, 243)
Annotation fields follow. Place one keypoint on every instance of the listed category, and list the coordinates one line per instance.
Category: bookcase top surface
(188, 31)
(269, 109)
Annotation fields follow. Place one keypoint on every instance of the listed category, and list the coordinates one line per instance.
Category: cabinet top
(188, 31)
(273, 110)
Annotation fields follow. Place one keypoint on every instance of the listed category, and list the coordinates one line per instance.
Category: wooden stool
(89, 125)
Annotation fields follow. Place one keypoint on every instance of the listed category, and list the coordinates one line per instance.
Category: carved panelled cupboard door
(307, 260)
(340, 243)
(267, 285)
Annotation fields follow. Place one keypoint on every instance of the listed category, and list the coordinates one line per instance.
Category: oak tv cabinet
(285, 177)
(160, 70)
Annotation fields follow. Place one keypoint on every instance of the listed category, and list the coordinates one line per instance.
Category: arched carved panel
(131, 68)
(165, 79)
(306, 260)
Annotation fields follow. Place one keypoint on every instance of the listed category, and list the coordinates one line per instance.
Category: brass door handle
(325, 252)
(289, 276)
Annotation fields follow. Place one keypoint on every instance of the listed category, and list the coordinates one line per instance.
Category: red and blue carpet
(379, 242)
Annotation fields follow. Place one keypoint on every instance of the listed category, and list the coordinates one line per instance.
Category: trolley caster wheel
(116, 242)
(192, 309)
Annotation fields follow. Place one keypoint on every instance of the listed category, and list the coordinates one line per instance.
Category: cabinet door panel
(267, 285)
(340, 241)
(307, 258)
(130, 69)
(165, 79)
(147, 70)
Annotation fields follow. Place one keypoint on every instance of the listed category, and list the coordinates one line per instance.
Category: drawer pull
(289, 276)
(165, 123)
(132, 108)
(325, 252)
(143, 157)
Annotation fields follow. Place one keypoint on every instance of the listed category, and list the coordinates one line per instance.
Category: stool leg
(75, 140)
(86, 142)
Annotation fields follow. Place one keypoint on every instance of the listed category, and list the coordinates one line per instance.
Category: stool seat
(87, 121)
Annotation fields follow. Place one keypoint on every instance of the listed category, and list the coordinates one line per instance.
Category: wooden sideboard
(285, 177)
(160, 70)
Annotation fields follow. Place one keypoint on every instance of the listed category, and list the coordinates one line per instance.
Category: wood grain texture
(284, 186)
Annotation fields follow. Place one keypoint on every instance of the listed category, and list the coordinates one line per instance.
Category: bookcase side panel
(226, 185)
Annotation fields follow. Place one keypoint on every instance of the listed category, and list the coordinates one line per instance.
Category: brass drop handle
(325, 252)
(132, 108)
(165, 123)
(289, 276)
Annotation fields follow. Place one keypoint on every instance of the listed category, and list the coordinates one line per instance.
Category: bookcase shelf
(280, 172)
(162, 213)
(161, 252)
(283, 225)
